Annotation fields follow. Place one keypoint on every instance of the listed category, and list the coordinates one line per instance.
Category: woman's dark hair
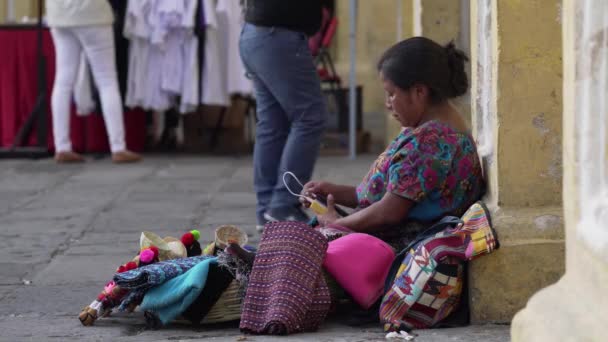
(420, 60)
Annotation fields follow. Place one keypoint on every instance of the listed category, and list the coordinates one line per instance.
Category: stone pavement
(65, 228)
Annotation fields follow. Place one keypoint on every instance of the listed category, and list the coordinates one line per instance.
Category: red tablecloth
(18, 91)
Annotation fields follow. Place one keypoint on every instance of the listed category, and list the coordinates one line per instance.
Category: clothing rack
(38, 115)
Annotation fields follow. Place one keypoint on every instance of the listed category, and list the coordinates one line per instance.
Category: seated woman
(431, 169)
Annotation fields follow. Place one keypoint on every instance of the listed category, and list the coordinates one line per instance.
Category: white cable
(297, 180)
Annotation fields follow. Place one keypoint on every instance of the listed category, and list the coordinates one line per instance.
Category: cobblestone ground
(64, 229)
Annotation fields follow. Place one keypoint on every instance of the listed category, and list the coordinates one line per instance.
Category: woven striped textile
(287, 292)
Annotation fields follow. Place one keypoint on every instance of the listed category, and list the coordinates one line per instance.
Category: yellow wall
(440, 20)
(376, 32)
(2, 10)
(23, 8)
(529, 102)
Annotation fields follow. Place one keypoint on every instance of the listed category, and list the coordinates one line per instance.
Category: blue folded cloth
(174, 296)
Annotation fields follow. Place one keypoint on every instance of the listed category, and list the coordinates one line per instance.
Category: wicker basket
(224, 234)
(227, 308)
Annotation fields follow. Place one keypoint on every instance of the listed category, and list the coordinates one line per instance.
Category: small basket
(227, 308)
(224, 234)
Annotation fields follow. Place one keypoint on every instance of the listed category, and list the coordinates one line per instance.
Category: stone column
(516, 114)
(576, 307)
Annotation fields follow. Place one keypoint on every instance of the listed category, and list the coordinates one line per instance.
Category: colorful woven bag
(425, 282)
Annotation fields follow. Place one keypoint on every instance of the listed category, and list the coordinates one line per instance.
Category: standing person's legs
(67, 57)
(281, 60)
(272, 126)
(271, 134)
(98, 44)
(307, 110)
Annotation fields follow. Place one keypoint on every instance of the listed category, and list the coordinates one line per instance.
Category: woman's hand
(313, 189)
(331, 215)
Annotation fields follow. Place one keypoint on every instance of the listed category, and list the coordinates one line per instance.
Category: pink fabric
(360, 264)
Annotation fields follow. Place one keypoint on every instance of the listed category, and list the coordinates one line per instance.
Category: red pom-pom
(121, 269)
(188, 239)
(101, 297)
(155, 250)
(131, 265)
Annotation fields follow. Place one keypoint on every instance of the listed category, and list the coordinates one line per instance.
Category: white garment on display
(168, 37)
(164, 61)
(163, 50)
(136, 29)
(141, 77)
(190, 91)
(155, 98)
(166, 16)
(172, 71)
(230, 18)
(213, 83)
(190, 86)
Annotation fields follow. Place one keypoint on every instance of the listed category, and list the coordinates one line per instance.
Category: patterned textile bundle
(139, 280)
(427, 285)
(287, 292)
(155, 274)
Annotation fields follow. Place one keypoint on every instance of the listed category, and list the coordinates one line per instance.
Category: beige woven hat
(168, 248)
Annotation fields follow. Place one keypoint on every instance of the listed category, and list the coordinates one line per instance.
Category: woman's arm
(389, 211)
(345, 195)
